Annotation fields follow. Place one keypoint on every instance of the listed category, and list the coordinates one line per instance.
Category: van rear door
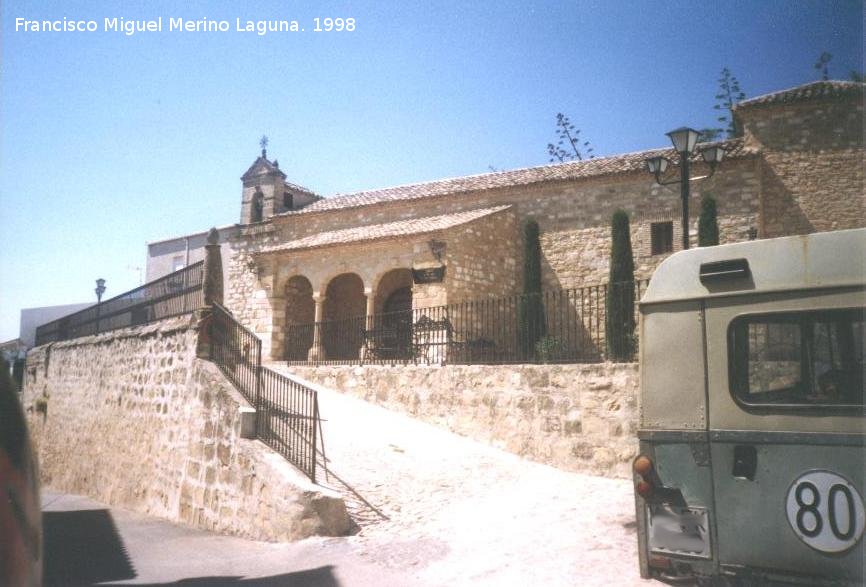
(785, 377)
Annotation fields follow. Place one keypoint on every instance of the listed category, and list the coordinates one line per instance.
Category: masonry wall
(575, 417)
(812, 165)
(484, 259)
(134, 419)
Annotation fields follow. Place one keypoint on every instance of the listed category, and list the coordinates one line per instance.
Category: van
(751, 459)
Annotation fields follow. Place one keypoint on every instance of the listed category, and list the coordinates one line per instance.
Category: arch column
(371, 306)
(317, 352)
(368, 321)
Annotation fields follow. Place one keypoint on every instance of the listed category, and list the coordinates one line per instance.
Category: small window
(177, 263)
(257, 207)
(811, 358)
(288, 201)
(662, 237)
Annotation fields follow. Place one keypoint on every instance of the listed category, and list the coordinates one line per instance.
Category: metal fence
(173, 295)
(236, 351)
(288, 419)
(556, 326)
(287, 413)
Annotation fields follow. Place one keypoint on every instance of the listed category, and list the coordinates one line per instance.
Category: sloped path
(456, 512)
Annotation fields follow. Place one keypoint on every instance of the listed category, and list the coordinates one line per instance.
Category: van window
(798, 359)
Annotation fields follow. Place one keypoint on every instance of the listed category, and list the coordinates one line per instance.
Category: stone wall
(575, 417)
(483, 259)
(812, 171)
(132, 418)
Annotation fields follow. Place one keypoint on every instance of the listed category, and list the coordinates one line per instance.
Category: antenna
(140, 275)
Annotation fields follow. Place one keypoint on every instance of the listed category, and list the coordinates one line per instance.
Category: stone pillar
(212, 291)
(317, 352)
(371, 309)
(371, 306)
(212, 280)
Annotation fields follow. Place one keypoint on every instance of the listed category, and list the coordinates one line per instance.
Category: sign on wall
(429, 274)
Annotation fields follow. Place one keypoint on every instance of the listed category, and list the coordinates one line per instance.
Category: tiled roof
(629, 162)
(412, 226)
(811, 91)
(299, 188)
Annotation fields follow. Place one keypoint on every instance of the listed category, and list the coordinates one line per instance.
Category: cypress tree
(619, 319)
(708, 226)
(531, 323)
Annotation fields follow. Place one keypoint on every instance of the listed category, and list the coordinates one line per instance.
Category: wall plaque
(429, 274)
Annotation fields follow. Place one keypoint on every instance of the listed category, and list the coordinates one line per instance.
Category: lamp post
(684, 140)
(100, 289)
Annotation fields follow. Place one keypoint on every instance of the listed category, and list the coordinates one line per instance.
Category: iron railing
(287, 417)
(287, 412)
(555, 326)
(236, 351)
(173, 295)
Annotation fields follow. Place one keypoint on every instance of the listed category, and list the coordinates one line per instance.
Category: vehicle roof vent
(718, 271)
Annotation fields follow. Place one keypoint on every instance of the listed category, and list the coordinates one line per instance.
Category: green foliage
(729, 93)
(569, 145)
(551, 349)
(621, 259)
(531, 257)
(530, 310)
(823, 63)
(708, 225)
(619, 318)
(709, 135)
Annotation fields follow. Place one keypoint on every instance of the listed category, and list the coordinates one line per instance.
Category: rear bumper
(731, 576)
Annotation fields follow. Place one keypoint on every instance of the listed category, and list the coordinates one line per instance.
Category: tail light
(643, 467)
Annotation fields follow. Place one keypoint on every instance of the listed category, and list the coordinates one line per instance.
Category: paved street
(87, 543)
(434, 509)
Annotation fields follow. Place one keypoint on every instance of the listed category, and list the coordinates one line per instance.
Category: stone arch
(300, 313)
(345, 304)
(392, 305)
(389, 284)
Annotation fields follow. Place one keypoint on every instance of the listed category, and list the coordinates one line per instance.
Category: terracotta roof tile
(629, 162)
(811, 91)
(412, 226)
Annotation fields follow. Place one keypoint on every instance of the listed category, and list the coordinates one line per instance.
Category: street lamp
(100, 289)
(684, 140)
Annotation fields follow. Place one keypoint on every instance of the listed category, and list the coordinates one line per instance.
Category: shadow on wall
(783, 216)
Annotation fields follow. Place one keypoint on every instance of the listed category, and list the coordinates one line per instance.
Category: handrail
(137, 302)
(287, 412)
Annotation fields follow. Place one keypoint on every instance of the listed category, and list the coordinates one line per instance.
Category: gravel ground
(434, 510)
(451, 511)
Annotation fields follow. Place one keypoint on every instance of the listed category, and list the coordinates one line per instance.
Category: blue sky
(108, 141)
